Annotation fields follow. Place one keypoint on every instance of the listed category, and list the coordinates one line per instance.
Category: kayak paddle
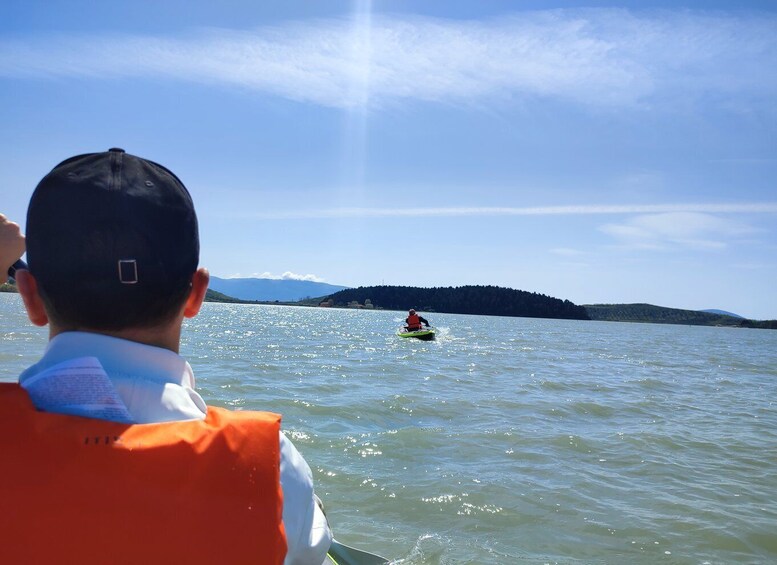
(19, 265)
(341, 554)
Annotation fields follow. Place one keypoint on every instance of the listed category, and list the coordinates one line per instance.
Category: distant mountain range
(270, 290)
(723, 313)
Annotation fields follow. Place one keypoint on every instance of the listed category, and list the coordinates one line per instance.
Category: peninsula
(481, 300)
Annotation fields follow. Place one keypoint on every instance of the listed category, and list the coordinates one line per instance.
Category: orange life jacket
(413, 322)
(82, 490)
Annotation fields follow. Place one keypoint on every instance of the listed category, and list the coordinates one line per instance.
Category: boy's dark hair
(112, 241)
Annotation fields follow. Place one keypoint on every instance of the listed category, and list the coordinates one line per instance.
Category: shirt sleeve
(307, 532)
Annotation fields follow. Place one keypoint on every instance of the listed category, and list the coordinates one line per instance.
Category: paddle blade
(19, 265)
(345, 555)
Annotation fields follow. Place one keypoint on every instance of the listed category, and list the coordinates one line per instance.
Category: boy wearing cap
(113, 251)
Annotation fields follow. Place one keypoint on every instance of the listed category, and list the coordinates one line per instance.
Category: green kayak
(425, 334)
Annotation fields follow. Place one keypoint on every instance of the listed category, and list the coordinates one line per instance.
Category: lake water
(507, 440)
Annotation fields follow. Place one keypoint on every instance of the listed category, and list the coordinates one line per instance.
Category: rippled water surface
(507, 440)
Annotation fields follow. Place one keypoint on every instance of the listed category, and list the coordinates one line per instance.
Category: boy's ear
(200, 282)
(33, 303)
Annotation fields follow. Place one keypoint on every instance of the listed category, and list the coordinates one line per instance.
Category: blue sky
(594, 151)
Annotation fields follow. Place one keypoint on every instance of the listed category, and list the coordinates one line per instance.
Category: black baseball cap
(112, 223)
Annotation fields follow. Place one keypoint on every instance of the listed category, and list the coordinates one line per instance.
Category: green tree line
(660, 315)
(483, 300)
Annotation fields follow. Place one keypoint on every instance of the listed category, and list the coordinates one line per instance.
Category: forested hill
(661, 315)
(483, 300)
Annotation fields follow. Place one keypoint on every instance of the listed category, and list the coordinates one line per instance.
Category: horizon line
(566, 210)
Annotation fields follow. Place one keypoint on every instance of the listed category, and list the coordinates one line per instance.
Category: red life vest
(82, 490)
(413, 322)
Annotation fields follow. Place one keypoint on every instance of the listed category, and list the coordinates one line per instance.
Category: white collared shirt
(136, 383)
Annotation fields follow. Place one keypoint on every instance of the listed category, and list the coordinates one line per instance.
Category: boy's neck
(166, 337)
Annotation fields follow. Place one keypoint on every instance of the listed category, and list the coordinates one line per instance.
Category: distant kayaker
(113, 252)
(413, 322)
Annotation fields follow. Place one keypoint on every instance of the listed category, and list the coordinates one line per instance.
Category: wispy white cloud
(693, 230)
(286, 276)
(599, 57)
(340, 213)
(567, 252)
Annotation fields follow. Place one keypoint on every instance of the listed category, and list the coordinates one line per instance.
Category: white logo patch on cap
(128, 271)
